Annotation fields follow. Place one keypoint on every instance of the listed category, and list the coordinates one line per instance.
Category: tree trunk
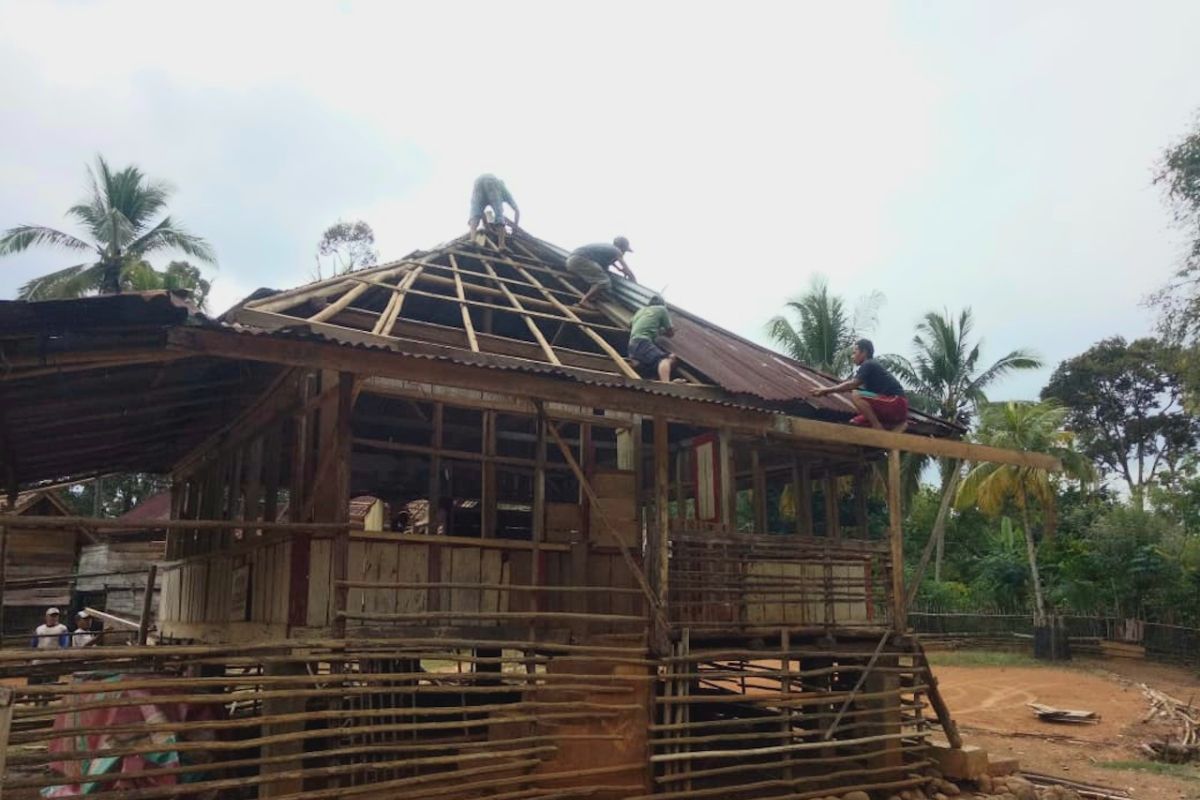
(949, 487)
(1031, 550)
(110, 279)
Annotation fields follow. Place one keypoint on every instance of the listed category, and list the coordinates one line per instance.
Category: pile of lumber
(1182, 744)
(1051, 714)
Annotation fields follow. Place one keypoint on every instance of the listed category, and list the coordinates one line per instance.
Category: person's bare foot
(680, 380)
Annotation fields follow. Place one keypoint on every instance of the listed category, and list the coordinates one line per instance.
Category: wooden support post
(147, 605)
(6, 712)
(896, 538)
(805, 500)
(538, 532)
(587, 460)
(660, 531)
(728, 478)
(3, 582)
(785, 666)
(487, 503)
(435, 470)
(862, 488)
(680, 497)
(760, 492)
(833, 514)
(341, 507)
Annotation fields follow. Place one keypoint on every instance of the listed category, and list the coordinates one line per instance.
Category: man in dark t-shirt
(875, 392)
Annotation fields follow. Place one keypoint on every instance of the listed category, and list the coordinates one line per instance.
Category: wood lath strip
(395, 305)
(622, 364)
(533, 328)
(359, 286)
(463, 305)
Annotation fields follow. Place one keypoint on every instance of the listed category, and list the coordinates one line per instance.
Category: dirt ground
(988, 702)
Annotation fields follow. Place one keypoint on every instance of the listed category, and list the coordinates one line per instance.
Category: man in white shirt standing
(84, 635)
(52, 634)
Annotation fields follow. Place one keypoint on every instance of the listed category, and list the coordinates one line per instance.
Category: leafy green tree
(825, 330)
(121, 217)
(178, 276)
(1130, 563)
(1124, 401)
(946, 378)
(1178, 172)
(348, 246)
(995, 488)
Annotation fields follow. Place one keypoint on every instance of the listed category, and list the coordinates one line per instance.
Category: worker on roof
(490, 192)
(876, 394)
(644, 329)
(591, 263)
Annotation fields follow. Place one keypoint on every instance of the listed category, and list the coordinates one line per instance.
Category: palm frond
(1016, 360)
(22, 237)
(781, 332)
(167, 236)
(64, 284)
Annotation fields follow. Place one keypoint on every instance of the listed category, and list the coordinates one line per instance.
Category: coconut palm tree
(993, 488)
(945, 378)
(826, 329)
(119, 215)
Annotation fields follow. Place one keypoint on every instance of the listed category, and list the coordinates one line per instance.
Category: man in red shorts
(875, 392)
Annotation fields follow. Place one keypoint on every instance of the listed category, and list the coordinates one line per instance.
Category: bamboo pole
(147, 605)
(71, 524)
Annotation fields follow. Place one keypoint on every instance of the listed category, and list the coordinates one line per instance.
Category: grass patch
(1187, 772)
(984, 658)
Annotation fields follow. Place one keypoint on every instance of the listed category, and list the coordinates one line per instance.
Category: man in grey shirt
(591, 263)
(490, 191)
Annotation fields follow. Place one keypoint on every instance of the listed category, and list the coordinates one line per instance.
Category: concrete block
(967, 763)
(999, 767)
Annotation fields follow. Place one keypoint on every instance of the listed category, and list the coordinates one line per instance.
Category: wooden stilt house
(556, 578)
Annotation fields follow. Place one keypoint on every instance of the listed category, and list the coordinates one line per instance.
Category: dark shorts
(646, 354)
(890, 410)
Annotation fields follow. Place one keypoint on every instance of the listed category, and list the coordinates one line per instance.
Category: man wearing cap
(592, 261)
(83, 636)
(644, 329)
(52, 634)
(490, 192)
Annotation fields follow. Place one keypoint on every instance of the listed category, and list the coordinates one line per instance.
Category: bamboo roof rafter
(480, 281)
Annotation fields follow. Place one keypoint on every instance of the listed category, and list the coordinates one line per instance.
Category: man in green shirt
(646, 326)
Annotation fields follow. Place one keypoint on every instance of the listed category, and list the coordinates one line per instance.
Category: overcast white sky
(997, 155)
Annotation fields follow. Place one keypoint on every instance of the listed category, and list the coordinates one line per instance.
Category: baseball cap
(82, 615)
(52, 610)
(621, 243)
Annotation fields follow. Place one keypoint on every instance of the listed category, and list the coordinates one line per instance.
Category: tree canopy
(1123, 400)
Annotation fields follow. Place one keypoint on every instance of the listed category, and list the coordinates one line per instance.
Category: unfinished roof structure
(555, 578)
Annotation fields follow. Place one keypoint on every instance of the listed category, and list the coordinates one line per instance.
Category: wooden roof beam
(692, 405)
